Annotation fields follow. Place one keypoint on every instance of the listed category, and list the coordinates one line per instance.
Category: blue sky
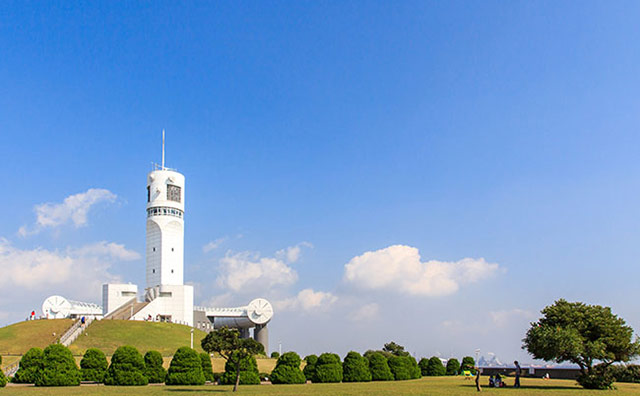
(505, 133)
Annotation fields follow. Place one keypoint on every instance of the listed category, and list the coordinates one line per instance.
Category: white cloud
(365, 313)
(222, 300)
(73, 209)
(307, 300)
(399, 268)
(249, 272)
(504, 317)
(292, 253)
(213, 244)
(109, 249)
(77, 272)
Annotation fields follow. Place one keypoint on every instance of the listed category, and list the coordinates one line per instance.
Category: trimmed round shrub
(3, 379)
(287, 370)
(275, 355)
(93, 365)
(625, 373)
(379, 367)
(310, 367)
(328, 368)
(424, 366)
(58, 367)
(185, 368)
(402, 367)
(414, 369)
(432, 367)
(30, 367)
(248, 372)
(127, 368)
(355, 368)
(468, 364)
(453, 366)
(207, 369)
(153, 369)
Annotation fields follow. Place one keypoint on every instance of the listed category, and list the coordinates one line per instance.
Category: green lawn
(19, 337)
(439, 386)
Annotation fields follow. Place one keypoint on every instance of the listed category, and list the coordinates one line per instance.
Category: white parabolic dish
(56, 307)
(259, 311)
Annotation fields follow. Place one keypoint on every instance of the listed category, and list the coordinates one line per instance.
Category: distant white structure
(166, 297)
(114, 295)
(58, 307)
(255, 315)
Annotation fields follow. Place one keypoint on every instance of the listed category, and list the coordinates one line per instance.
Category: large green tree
(395, 349)
(590, 336)
(231, 347)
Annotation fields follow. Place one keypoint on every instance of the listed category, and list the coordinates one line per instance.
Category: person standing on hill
(518, 371)
(478, 387)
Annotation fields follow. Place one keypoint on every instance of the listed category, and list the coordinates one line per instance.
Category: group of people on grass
(497, 380)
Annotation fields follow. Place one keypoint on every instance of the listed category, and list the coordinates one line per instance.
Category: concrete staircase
(127, 310)
(75, 330)
(11, 370)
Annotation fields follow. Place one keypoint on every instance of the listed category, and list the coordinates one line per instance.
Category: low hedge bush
(287, 370)
(379, 367)
(93, 365)
(30, 367)
(404, 367)
(248, 373)
(207, 369)
(310, 367)
(328, 368)
(3, 379)
(185, 368)
(355, 368)
(153, 369)
(453, 366)
(58, 367)
(127, 368)
(432, 367)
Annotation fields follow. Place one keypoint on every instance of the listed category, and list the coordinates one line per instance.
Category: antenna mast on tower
(163, 149)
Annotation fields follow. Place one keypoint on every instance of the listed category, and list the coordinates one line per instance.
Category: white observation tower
(167, 296)
(165, 226)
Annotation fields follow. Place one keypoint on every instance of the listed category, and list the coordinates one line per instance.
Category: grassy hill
(108, 335)
(19, 337)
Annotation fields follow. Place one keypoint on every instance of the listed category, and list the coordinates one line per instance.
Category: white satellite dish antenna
(56, 307)
(259, 311)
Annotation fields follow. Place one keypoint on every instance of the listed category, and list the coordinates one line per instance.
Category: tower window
(153, 271)
(172, 271)
(172, 249)
(148, 193)
(154, 249)
(173, 193)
